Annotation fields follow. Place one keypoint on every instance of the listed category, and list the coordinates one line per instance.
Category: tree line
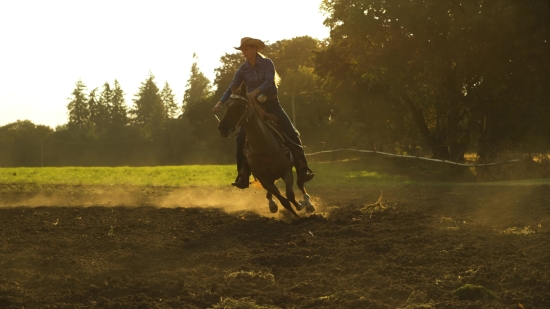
(437, 78)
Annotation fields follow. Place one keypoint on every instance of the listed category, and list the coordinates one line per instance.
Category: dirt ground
(105, 247)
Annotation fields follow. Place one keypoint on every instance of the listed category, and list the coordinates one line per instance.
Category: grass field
(355, 173)
(336, 173)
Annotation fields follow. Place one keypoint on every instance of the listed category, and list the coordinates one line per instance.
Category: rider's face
(249, 52)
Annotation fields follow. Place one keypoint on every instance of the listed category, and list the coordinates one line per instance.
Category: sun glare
(47, 45)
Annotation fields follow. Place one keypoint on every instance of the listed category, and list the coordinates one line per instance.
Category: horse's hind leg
(272, 205)
(271, 188)
(306, 202)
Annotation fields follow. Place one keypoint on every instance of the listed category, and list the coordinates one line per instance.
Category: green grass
(356, 173)
(191, 175)
(339, 173)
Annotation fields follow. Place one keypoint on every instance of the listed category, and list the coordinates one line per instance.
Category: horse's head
(236, 112)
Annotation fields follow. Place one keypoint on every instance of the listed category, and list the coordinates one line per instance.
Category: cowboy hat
(253, 42)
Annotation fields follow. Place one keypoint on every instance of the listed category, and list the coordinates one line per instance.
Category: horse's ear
(243, 89)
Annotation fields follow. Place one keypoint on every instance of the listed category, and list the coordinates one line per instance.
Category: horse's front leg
(271, 188)
(306, 202)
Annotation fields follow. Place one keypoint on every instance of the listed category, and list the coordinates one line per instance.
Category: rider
(260, 78)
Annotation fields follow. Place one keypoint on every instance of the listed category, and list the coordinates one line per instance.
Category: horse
(268, 158)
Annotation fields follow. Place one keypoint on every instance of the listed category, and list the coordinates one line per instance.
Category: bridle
(245, 112)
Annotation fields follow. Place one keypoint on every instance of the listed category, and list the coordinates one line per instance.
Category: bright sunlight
(47, 45)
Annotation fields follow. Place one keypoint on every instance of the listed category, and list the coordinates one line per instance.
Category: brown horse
(268, 158)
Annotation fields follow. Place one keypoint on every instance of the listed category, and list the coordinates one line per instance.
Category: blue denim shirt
(261, 76)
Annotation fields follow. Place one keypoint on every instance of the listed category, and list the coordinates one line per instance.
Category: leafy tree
(22, 143)
(291, 54)
(435, 64)
(299, 92)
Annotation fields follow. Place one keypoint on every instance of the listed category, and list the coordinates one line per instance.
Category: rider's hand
(217, 107)
(253, 94)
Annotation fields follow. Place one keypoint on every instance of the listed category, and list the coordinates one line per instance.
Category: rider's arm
(237, 80)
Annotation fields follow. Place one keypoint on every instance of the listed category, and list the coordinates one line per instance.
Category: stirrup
(306, 174)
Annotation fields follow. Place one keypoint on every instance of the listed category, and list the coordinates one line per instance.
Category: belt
(262, 98)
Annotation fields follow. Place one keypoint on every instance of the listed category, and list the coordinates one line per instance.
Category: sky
(46, 46)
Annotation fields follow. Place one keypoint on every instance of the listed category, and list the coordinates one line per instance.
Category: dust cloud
(228, 199)
(67, 197)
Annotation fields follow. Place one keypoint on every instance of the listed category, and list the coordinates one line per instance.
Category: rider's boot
(306, 174)
(300, 162)
(243, 179)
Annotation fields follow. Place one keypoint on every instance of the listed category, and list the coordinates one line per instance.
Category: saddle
(271, 122)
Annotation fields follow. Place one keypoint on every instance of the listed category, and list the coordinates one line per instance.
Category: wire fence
(413, 157)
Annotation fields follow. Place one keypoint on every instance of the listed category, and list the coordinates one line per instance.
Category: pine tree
(168, 98)
(93, 107)
(196, 102)
(198, 88)
(118, 109)
(78, 107)
(94, 112)
(148, 112)
(103, 116)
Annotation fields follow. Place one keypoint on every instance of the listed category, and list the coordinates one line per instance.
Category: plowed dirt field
(422, 246)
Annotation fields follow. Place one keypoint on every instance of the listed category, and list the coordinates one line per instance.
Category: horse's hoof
(273, 207)
(300, 205)
(310, 208)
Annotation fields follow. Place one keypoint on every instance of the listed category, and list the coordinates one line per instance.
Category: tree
(437, 64)
(148, 112)
(118, 108)
(94, 109)
(198, 88)
(293, 53)
(78, 108)
(22, 143)
(170, 105)
(197, 106)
